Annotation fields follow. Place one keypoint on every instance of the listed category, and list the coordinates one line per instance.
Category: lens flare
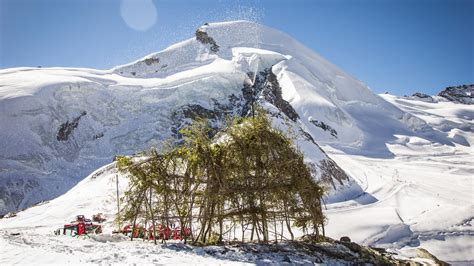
(139, 15)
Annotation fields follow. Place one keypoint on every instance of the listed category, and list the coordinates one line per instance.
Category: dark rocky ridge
(330, 171)
(273, 94)
(459, 94)
(151, 60)
(67, 128)
(265, 88)
(204, 38)
(421, 95)
(324, 127)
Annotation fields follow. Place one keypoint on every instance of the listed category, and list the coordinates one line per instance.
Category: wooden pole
(152, 218)
(118, 200)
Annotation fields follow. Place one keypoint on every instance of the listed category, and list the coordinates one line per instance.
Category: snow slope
(37, 244)
(423, 196)
(28, 237)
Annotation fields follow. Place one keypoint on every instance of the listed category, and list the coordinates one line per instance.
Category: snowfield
(28, 237)
(97, 193)
(423, 196)
(408, 172)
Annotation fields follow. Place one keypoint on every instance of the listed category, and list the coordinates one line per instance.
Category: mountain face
(459, 94)
(59, 124)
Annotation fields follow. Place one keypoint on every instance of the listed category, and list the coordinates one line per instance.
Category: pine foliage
(249, 177)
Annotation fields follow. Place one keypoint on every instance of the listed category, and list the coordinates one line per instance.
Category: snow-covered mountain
(399, 168)
(59, 124)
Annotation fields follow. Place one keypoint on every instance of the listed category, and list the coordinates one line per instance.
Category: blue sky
(397, 46)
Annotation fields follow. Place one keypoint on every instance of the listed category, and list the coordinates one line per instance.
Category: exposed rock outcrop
(459, 94)
(204, 38)
(151, 60)
(273, 94)
(331, 171)
(264, 87)
(423, 97)
(324, 127)
(67, 128)
(310, 251)
(185, 114)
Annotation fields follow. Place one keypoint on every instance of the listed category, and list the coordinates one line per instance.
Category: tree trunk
(152, 218)
(221, 227)
(288, 226)
(136, 213)
(275, 227)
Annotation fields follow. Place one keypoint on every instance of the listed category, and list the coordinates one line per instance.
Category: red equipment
(137, 230)
(81, 226)
(167, 233)
(162, 232)
(98, 218)
(177, 233)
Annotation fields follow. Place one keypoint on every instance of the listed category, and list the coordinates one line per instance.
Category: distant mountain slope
(460, 94)
(59, 124)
